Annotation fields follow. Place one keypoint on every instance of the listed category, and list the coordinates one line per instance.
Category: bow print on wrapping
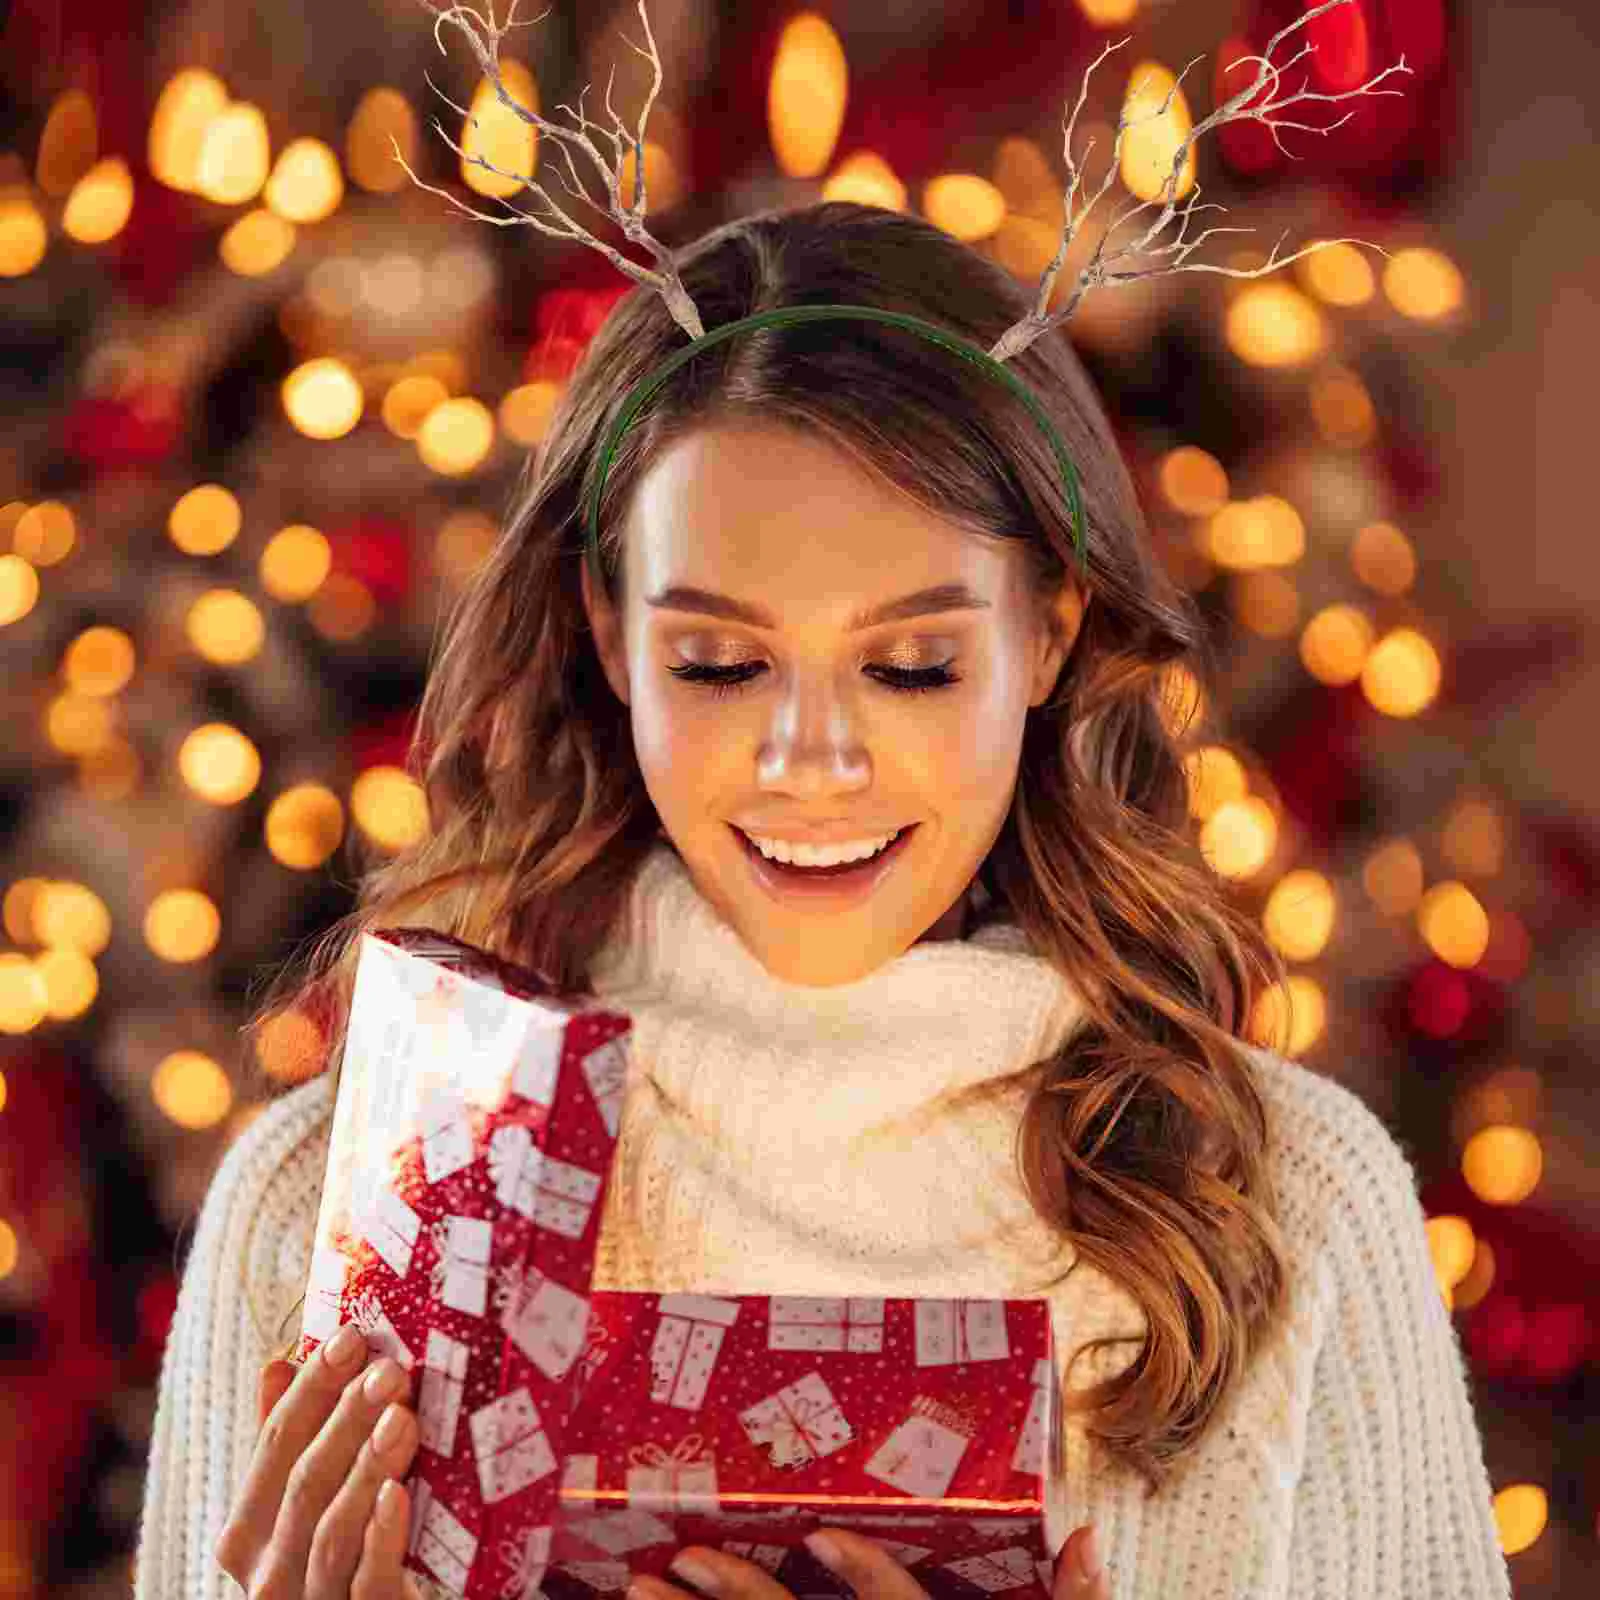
(798, 1423)
(367, 1313)
(549, 1193)
(683, 1480)
(526, 1561)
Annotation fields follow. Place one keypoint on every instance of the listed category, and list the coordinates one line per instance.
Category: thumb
(1079, 1575)
(276, 1376)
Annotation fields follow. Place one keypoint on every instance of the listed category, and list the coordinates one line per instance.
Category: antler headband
(483, 35)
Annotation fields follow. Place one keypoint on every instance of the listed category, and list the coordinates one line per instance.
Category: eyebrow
(924, 603)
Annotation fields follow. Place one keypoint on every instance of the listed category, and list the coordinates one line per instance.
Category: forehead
(794, 521)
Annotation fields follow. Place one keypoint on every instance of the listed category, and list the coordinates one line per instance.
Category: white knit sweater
(783, 1139)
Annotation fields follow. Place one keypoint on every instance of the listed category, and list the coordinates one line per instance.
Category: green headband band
(647, 386)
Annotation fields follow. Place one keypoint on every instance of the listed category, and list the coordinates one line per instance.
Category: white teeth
(816, 855)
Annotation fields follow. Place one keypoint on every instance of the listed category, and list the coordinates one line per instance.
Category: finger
(306, 1515)
(864, 1564)
(291, 1425)
(715, 1572)
(337, 1548)
(275, 1379)
(1080, 1573)
(383, 1549)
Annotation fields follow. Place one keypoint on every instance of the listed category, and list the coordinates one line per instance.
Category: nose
(813, 746)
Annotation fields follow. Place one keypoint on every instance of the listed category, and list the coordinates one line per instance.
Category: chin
(822, 969)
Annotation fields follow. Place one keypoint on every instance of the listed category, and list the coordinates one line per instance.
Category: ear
(1058, 632)
(606, 626)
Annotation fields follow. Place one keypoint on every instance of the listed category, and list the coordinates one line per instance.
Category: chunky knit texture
(782, 1139)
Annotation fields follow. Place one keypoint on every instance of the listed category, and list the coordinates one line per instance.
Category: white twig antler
(1098, 270)
(483, 35)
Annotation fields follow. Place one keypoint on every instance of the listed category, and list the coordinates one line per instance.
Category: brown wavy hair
(1144, 1140)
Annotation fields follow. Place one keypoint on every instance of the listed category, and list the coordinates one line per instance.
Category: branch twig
(483, 35)
(1098, 270)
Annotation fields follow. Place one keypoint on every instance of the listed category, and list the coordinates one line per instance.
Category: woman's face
(817, 741)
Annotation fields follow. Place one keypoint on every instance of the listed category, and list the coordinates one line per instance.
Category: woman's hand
(864, 1564)
(303, 1527)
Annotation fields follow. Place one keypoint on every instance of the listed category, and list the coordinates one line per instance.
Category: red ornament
(125, 433)
(377, 551)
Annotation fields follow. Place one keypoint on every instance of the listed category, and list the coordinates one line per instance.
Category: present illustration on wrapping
(383, 1339)
(960, 1330)
(539, 1060)
(439, 1540)
(509, 1445)
(444, 1378)
(1033, 1441)
(605, 1070)
(615, 1532)
(801, 1422)
(460, 1274)
(446, 1133)
(547, 1321)
(391, 1228)
(685, 1347)
(525, 1562)
(324, 1292)
(796, 1322)
(683, 1479)
(1012, 1568)
(922, 1454)
(549, 1193)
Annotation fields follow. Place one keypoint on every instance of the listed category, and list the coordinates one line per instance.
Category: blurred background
(265, 400)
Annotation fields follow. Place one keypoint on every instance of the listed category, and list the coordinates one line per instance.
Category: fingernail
(391, 1428)
(1089, 1563)
(826, 1549)
(343, 1347)
(381, 1382)
(696, 1572)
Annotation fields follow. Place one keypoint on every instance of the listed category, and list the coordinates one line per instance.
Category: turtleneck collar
(962, 1010)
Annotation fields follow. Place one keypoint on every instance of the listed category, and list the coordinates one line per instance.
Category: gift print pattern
(391, 1228)
(439, 1540)
(796, 1322)
(798, 1424)
(949, 1331)
(510, 1445)
(684, 1351)
(551, 1194)
(605, 1070)
(548, 1322)
(324, 1290)
(367, 1313)
(444, 1377)
(920, 1457)
(460, 1276)
(442, 1120)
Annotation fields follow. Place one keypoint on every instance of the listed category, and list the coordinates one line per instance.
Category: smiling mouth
(851, 877)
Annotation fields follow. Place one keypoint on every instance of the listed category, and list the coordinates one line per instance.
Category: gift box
(745, 1422)
(472, 1138)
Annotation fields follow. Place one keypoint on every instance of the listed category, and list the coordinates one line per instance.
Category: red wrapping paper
(471, 1145)
(745, 1422)
(568, 1438)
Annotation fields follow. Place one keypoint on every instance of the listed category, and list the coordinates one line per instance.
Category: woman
(1005, 1057)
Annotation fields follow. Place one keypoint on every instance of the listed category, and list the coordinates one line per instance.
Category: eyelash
(730, 680)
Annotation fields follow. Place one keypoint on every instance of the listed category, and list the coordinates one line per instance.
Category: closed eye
(730, 680)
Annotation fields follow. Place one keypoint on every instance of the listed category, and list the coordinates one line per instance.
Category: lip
(824, 893)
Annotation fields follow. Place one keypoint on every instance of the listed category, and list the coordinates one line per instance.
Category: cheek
(679, 746)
